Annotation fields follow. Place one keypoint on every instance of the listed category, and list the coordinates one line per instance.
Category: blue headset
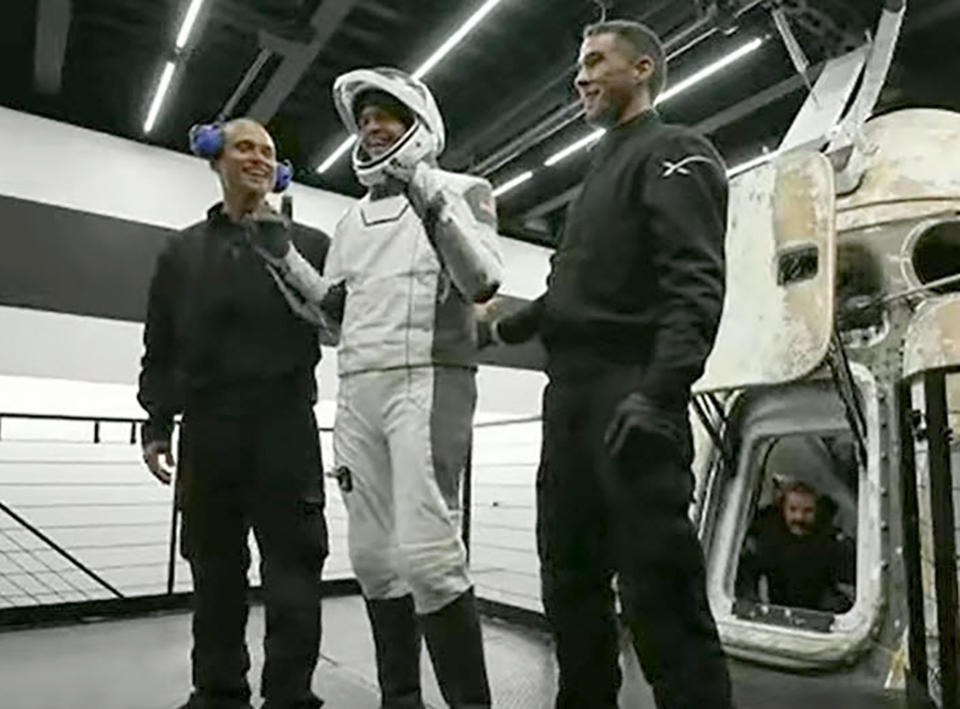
(207, 140)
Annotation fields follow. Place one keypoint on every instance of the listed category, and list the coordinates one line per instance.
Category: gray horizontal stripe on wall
(69, 261)
(65, 260)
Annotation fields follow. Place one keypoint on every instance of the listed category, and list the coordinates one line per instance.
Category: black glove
(639, 414)
(335, 301)
(269, 234)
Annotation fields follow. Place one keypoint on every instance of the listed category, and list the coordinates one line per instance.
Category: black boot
(396, 636)
(456, 650)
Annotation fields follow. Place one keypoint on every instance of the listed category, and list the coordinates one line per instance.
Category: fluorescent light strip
(514, 182)
(167, 76)
(752, 163)
(456, 38)
(335, 155)
(158, 97)
(574, 147)
(690, 81)
(435, 58)
(710, 70)
(188, 20)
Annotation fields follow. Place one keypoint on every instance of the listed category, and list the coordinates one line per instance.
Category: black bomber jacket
(638, 276)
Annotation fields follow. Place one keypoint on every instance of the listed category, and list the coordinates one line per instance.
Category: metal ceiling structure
(505, 90)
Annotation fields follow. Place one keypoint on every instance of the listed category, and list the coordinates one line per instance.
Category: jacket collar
(216, 216)
(637, 124)
(615, 136)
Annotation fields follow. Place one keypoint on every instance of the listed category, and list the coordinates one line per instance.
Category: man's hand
(486, 316)
(484, 334)
(423, 189)
(493, 309)
(635, 413)
(269, 234)
(159, 459)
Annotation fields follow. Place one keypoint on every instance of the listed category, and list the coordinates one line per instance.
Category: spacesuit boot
(456, 649)
(396, 636)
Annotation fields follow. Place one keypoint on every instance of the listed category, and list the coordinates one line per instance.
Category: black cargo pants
(262, 472)
(598, 518)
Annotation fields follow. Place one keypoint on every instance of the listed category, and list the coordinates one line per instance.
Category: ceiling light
(710, 70)
(511, 183)
(455, 39)
(681, 86)
(158, 97)
(752, 163)
(335, 155)
(435, 58)
(574, 147)
(188, 20)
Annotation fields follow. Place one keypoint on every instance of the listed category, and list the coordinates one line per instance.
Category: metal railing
(929, 530)
(69, 485)
(37, 567)
(85, 529)
(500, 509)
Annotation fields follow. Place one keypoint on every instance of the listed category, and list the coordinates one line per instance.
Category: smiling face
(611, 81)
(248, 163)
(800, 512)
(379, 128)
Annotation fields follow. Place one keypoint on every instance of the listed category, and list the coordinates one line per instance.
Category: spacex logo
(679, 168)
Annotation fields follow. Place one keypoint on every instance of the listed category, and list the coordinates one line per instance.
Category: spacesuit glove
(635, 414)
(269, 234)
(424, 190)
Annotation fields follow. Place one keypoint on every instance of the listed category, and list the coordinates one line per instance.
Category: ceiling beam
(752, 104)
(553, 203)
(297, 57)
(939, 12)
(53, 26)
(547, 88)
(555, 121)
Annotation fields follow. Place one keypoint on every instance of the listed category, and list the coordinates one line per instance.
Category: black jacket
(802, 572)
(219, 335)
(638, 277)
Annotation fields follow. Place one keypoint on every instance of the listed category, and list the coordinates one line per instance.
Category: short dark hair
(642, 41)
(386, 101)
(799, 487)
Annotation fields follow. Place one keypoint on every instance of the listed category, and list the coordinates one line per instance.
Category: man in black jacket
(224, 348)
(630, 314)
(804, 558)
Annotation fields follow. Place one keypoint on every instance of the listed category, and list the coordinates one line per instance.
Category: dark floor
(144, 664)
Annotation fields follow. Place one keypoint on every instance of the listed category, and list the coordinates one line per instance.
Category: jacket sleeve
(522, 325)
(316, 298)
(160, 391)
(685, 196)
(462, 226)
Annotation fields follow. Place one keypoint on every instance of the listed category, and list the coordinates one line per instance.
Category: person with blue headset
(224, 349)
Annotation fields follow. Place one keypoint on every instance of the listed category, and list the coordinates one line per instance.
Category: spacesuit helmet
(425, 137)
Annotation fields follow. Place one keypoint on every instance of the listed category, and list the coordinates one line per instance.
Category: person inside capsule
(795, 555)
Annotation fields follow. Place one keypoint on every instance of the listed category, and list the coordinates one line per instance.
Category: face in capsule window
(800, 547)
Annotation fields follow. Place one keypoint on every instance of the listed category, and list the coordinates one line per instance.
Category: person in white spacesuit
(408, 262)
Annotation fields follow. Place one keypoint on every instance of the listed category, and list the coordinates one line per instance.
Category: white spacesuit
(413, 255)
